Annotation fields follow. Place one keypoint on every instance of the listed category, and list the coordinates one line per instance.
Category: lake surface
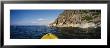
(30, 32)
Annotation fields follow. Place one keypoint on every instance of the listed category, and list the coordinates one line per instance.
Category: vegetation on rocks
(78, 24)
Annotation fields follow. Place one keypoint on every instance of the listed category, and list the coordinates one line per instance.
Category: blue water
(30, 32)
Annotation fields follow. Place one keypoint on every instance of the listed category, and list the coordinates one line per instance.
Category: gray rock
(78, 18)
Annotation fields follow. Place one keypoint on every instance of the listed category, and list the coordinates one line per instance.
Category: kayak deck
(49, 36)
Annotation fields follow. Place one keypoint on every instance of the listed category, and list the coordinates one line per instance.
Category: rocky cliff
(78, 18)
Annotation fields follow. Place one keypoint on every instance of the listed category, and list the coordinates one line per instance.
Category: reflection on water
(79, 33)
(30, 32)
(36, 32)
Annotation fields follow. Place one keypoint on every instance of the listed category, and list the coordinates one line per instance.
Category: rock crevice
(78, 18)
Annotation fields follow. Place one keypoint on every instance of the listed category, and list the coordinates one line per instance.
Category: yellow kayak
(49, 36)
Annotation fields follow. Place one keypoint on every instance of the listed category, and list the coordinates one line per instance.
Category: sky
(33, 17)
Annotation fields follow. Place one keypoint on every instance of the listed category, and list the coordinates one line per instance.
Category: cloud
(34, 22)
(41, 19)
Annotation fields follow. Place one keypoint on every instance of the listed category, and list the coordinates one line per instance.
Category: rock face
(78, 18)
